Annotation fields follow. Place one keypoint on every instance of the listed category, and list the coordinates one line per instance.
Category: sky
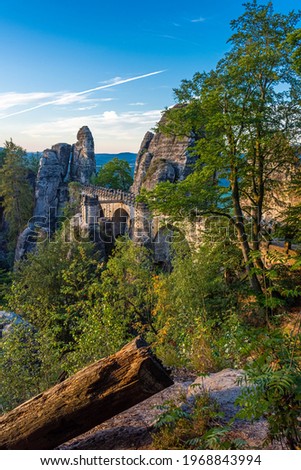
(109, 65)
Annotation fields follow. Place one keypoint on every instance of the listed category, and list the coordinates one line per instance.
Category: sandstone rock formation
(50, 179)
(162, 158)
(59, 165)
(83, 164)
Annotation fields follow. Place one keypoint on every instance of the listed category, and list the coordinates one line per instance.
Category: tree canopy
(15, 189)
(248, 112)
(115, 174)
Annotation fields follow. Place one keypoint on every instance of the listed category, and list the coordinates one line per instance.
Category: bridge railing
(109, 194)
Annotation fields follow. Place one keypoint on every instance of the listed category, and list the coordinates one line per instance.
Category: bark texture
(90, 397)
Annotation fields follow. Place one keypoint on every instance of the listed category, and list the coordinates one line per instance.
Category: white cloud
(94, 103)
(110, 116)
(139, 103)
(68, 98)
(11, 99)
(111, 81)
(111, 130)
(14, 100)
(87, 108)
(198, 20)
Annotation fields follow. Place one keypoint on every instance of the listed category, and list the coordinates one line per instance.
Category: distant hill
(102, 158)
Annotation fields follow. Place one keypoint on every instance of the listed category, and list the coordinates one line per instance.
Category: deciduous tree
(248, 110)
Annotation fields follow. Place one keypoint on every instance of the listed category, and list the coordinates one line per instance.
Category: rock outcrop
(162, 158)
(59, 165)
(8, 320)
(83, 164)
(51, 179)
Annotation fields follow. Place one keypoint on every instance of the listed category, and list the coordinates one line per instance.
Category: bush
(29, 364)
(197, 426)
(274, 388)
(191, 305)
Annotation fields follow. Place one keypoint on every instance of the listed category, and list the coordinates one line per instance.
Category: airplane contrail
(80, 93)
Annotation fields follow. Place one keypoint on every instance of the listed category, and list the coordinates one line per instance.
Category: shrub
(274, 388)
(197, 426)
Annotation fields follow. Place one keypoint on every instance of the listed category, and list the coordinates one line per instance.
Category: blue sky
(51, 52)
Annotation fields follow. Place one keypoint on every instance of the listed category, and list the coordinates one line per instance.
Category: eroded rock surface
(58, 166)
(83, 164)
(162, 158)
(50, 179)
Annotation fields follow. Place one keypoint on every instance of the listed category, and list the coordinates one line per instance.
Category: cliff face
(54, 175)
(162, 158)
(83, 164)
(59, 165)
(51, 179)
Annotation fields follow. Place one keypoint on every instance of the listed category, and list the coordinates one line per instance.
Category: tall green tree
(50, 287)
(115, 174)
(248, 111)
(15, 189)
(127, 286)
(295, 40)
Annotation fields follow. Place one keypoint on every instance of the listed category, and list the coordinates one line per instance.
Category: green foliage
(51, 286)
(32, 161)
(5, 281)
(29, 363)
(18, 363)
(124, 300)
(123, 311)
(2, 155)
(290, 226)
(191, 303)
(115, 174)
(294, 39)
(16, 191)
(274, 387)
(197, 426)
(248, 127)
(127, 285)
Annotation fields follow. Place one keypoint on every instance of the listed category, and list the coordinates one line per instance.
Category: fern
(273, 389)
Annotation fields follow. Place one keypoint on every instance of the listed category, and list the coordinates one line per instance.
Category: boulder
(7, 320)
(222, 386)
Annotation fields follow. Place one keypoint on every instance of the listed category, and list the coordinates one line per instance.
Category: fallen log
(90, 397)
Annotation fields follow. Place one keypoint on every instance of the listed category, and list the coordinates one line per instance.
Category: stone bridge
(117, 213)
(108, 205)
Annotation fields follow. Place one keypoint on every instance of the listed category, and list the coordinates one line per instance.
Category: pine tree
(16, 191)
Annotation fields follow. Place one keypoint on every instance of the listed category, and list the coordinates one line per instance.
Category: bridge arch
(121, 222)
